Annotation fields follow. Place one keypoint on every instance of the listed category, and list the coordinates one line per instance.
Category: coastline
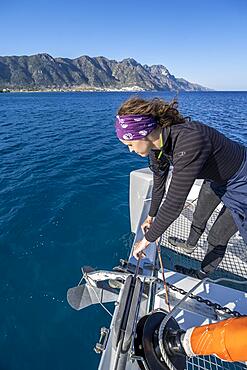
(95, 89)
(75, 89)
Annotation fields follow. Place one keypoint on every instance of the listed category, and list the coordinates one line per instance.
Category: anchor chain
(199, 299)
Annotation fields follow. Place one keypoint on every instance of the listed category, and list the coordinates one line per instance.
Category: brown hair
(165, 113)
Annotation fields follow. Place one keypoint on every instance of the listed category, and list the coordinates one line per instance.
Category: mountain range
(43, 72)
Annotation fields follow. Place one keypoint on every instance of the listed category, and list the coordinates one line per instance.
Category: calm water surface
(64, 204)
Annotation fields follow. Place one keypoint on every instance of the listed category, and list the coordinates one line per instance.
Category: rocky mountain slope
(42, 71)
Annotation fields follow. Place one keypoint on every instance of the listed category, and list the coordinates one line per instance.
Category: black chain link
(215, 306)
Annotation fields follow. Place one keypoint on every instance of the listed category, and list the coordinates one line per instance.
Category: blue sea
(64, 204)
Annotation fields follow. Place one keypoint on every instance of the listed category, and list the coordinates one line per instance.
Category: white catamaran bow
(164, 319)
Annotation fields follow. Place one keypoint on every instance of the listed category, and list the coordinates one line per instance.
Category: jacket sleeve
(189, 156)
(160, 173)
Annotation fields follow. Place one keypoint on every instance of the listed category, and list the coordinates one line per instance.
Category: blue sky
(203, 41)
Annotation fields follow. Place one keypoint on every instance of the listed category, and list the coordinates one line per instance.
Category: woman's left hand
(139, 248)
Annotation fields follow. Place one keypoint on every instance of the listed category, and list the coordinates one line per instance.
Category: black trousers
(222, 230)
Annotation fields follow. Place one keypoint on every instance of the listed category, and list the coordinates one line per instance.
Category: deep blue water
(64, 204)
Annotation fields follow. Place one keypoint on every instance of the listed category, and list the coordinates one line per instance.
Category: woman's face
(141, 147)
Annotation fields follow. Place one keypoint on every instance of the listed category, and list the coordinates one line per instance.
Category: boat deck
(233, 266)
(234, 263)
(212, 363)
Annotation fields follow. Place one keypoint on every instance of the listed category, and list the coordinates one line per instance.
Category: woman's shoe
(181, 243)
(198, 274)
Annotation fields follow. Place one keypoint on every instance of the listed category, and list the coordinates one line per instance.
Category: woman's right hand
(146, 224)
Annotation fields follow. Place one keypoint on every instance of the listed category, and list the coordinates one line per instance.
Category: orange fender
(226, 339)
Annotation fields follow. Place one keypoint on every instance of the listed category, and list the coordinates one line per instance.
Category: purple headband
(134, 126)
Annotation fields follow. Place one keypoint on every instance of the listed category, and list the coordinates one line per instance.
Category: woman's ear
(154, 135)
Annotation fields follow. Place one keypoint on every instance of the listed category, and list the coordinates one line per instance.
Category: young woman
(156, 129)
